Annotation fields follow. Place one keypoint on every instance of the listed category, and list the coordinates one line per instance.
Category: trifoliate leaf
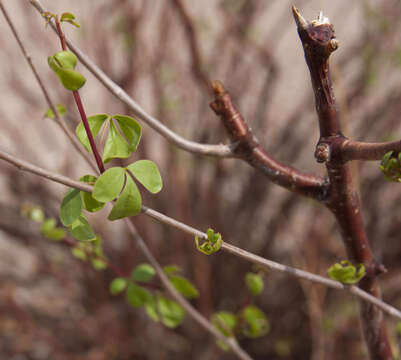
(116, 146)
(346, 272)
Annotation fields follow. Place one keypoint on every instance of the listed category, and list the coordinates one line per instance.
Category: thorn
(299, 19)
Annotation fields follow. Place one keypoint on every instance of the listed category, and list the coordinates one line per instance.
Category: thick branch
(25, 166)
(248, 148)
(319, 41)
(359, 150)
(137, 110)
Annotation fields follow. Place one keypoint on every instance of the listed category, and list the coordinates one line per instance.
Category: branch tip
(218, 88)
(302, 23)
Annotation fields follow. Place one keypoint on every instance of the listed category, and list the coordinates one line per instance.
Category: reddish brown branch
(248, 148)
(358, 150)
(319, 41)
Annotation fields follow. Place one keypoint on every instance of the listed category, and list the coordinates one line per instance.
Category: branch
(301, 274)
(319, 41)
(59, 120)
(358, 150)
(137, 110)
(248, 149)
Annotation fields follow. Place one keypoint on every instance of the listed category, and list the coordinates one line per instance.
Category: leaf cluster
(391, 166)
(346, 272)
(140, 292)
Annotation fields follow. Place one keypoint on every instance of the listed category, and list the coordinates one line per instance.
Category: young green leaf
(63, 63)
(81, 230)
(151, 308)
(225, 322)
(109, 184)
(50, 231)
(129, 203)
(131, 130)
(254, 282)
(257, 324)
(68, 17)
(60, 108)
(137, 296)
(172, 314)
(37, 214)
(95, 124)
(346, 272)
(71, 207)
(116, 146)
(171, 269)
(88, 202)
(143, 273)
(211, 245)
(183, 286)
(98, 264)
(147, 173)
(118, 285)
(79, 253)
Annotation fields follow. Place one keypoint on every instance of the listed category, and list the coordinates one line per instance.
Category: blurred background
(54, 306)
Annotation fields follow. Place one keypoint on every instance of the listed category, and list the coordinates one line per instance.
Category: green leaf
(71, 207)
(257, 324)
(171, 269)
(63, 63)
(147, 173)
(88, 202)
(131, 130)
(81, 230)
(118, 285)
(151, 308)
(171, 313)
(60, 108)
(50, 231)
(129, 203)
(225, 322)
(36, 214)
(346, 272)
(116, 146)
(183, 286)
(99, 264)
(109, 184)
(254, 282)
(69, 17)
(137, 296)
(95, 123)
(79, 253)
(211, 245)
(143, 273)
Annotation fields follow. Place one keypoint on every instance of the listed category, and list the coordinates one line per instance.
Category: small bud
(334, 44)
(322, 153)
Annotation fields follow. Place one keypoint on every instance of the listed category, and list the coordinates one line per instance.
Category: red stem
(80, 107)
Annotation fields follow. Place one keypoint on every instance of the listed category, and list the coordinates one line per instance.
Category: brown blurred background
(53, 306)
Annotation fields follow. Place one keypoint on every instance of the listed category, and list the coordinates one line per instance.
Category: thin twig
(301, 274)
(191, 146)
(60, 121)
